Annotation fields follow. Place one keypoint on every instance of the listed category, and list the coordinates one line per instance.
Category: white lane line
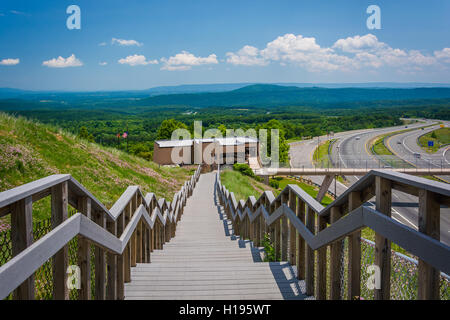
(393, 210)
(443, 154)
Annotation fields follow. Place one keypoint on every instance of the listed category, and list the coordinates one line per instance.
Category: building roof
(228, 141)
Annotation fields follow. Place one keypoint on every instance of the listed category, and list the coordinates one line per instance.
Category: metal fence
(404, 274)
(43, 277)
(381, 161)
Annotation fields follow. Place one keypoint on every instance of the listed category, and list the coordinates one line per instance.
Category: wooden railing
(123, 236)
(301, 227)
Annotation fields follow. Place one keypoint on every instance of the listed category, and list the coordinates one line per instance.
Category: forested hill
(273, 95)
(255, 95)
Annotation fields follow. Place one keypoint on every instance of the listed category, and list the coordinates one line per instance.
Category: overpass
(346, 171)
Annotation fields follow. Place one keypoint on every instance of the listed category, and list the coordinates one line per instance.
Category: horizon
(142, 45)
(325, 85)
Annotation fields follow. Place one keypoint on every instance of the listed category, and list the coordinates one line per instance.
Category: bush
(244, 169)
(274, 183)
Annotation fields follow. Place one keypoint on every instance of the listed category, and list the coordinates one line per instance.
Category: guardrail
(301, 227)
(123, 236)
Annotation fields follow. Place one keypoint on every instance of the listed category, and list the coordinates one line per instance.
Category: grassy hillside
(440, 137)
(242, 186)
(245, 186)
(30, 151)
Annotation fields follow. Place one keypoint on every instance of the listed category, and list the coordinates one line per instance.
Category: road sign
(442, 126)
(430, 143)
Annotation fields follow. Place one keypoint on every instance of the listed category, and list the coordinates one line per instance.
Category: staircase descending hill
(206, 260)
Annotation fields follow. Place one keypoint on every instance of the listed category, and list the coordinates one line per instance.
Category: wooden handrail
(293, 203)
(152, 214)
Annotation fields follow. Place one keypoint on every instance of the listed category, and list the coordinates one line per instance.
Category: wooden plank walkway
(206, 261)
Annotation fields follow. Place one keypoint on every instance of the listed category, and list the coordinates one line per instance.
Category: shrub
(274, 183)
(244, 169)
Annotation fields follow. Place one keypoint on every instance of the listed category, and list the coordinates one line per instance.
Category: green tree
(167, 127)
(84, 134)
(433, 135)
(223, 130)
(283, 145)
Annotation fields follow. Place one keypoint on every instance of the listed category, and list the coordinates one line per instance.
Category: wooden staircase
(205, 260)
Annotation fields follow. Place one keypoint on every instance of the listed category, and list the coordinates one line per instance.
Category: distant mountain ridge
(274, 95)
(8, 93)
(253, 95)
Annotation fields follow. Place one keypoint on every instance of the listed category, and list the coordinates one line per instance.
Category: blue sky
(141, 44)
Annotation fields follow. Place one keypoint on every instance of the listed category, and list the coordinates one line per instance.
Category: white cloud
(103, 63)
(185, 61)
(102, 44)
(358, 43)
(291, 48)
(347, 54)
(61, 62)
(123, 42)
(9, 62)
(137, 60)
(20, 13)
(247, 56)
(443, 55)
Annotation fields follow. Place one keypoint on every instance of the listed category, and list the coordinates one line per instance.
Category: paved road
(350, 150)
(405, 146)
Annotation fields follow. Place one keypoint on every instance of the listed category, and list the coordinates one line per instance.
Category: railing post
(99, 218)
(429, 224)
(59, 203)
(256, 229)
(111, 266)
(321, 290)
(22, 237)
(120, 260)
(383, 194)
(146, 242)
(309, 270)
(335, 259)
(292, 231)
(150, 244)
(127, 251)
(84, 253)
(301, 253)
(354, 252)
(262, 227)
(139, 242)
(132, 205)
(284, 231)
(277, 231)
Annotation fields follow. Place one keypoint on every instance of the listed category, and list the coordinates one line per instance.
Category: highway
(405, 146)
(350, 150)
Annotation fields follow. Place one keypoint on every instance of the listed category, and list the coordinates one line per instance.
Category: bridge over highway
(346, 171)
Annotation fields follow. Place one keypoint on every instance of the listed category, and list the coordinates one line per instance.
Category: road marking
(443, 154)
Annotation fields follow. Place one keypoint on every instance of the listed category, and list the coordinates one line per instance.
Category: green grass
(309, 189)
(442, 139)
(379, 148)
(30, 151)
(242, 186)
(321, 156)
(294, 139)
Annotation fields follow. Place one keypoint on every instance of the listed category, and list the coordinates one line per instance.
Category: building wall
(163, 156)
